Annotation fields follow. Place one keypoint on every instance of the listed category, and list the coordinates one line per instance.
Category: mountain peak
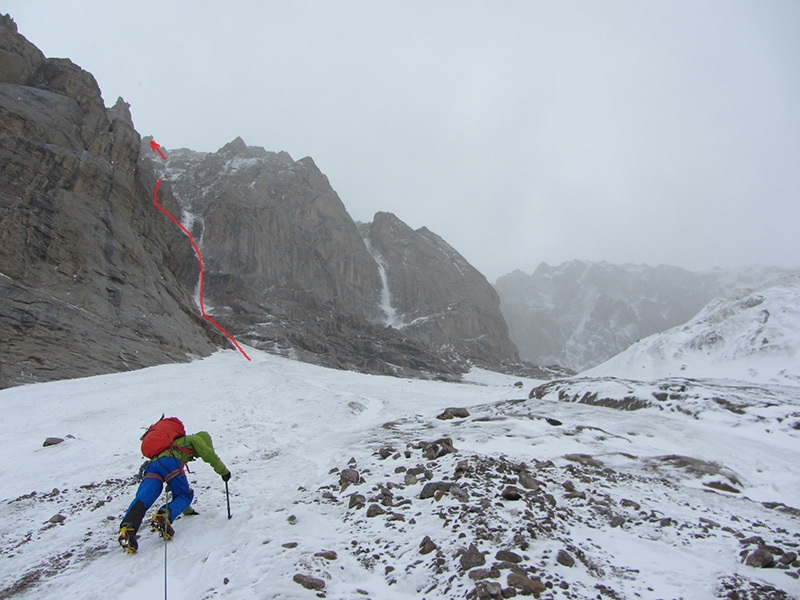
(237, 147)
(580, 313)
(7, 22)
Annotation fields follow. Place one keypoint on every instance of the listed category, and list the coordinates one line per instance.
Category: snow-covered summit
(753, 335)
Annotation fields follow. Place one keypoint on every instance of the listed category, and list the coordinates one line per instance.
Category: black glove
(226, 477)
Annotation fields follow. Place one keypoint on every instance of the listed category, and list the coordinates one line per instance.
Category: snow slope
(753, 335)
(595, 485)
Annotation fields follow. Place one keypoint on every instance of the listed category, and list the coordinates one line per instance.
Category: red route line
(200, 263)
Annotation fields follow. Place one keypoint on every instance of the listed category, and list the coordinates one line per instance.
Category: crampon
(160, 523)
(127, 539)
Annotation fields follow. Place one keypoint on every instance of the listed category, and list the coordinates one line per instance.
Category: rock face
(94, 279)
(85, 284)
(287, 267)
(435, 295)
(580, 314)
(269, 221)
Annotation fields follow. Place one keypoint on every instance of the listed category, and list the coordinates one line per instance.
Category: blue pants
(159, 471)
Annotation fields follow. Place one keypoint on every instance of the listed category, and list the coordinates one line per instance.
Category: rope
(165, 567)
(166, 501)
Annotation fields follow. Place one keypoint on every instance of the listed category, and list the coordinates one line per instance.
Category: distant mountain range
(752, 335)
(580, 313)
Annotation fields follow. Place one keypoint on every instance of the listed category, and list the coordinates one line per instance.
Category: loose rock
(525, 584)
(565, 558)
(508, 556)
(760, 559)
(309, 582)
(472, 557)
(427, 546)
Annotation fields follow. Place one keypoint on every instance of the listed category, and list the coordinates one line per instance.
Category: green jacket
(190, 447)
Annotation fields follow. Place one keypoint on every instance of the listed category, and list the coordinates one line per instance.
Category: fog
(521, 132)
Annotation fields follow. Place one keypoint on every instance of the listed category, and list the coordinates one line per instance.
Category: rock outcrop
(85, 281)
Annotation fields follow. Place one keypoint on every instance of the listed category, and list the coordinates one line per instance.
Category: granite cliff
(288, 268)
(85, 281)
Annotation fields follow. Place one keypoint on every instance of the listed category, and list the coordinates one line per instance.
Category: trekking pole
(228, 499)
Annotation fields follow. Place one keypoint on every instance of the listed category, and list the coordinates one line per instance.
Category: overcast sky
(645, 132)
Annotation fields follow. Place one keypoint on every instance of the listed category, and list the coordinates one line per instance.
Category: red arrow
(155, 147)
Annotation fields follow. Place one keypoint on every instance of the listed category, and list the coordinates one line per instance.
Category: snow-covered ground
(647, 503)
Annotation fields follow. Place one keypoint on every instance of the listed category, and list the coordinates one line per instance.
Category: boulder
(429, 490)
(427, 546)
(565, 558)
(451, 413)
(508, 556)
(488, 590)
(512, 493)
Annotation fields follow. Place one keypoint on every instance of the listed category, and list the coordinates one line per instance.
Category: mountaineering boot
(160, 523)
(127, 538)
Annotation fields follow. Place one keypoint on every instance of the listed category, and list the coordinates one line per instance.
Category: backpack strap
(181, 449)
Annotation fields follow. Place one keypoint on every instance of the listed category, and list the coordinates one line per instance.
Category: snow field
(287, 429)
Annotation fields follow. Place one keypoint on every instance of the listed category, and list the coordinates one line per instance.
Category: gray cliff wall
(271, 221)
(94, 279)
(439, 297)
(84, 258)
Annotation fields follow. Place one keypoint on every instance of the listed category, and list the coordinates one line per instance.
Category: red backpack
(160, 435)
